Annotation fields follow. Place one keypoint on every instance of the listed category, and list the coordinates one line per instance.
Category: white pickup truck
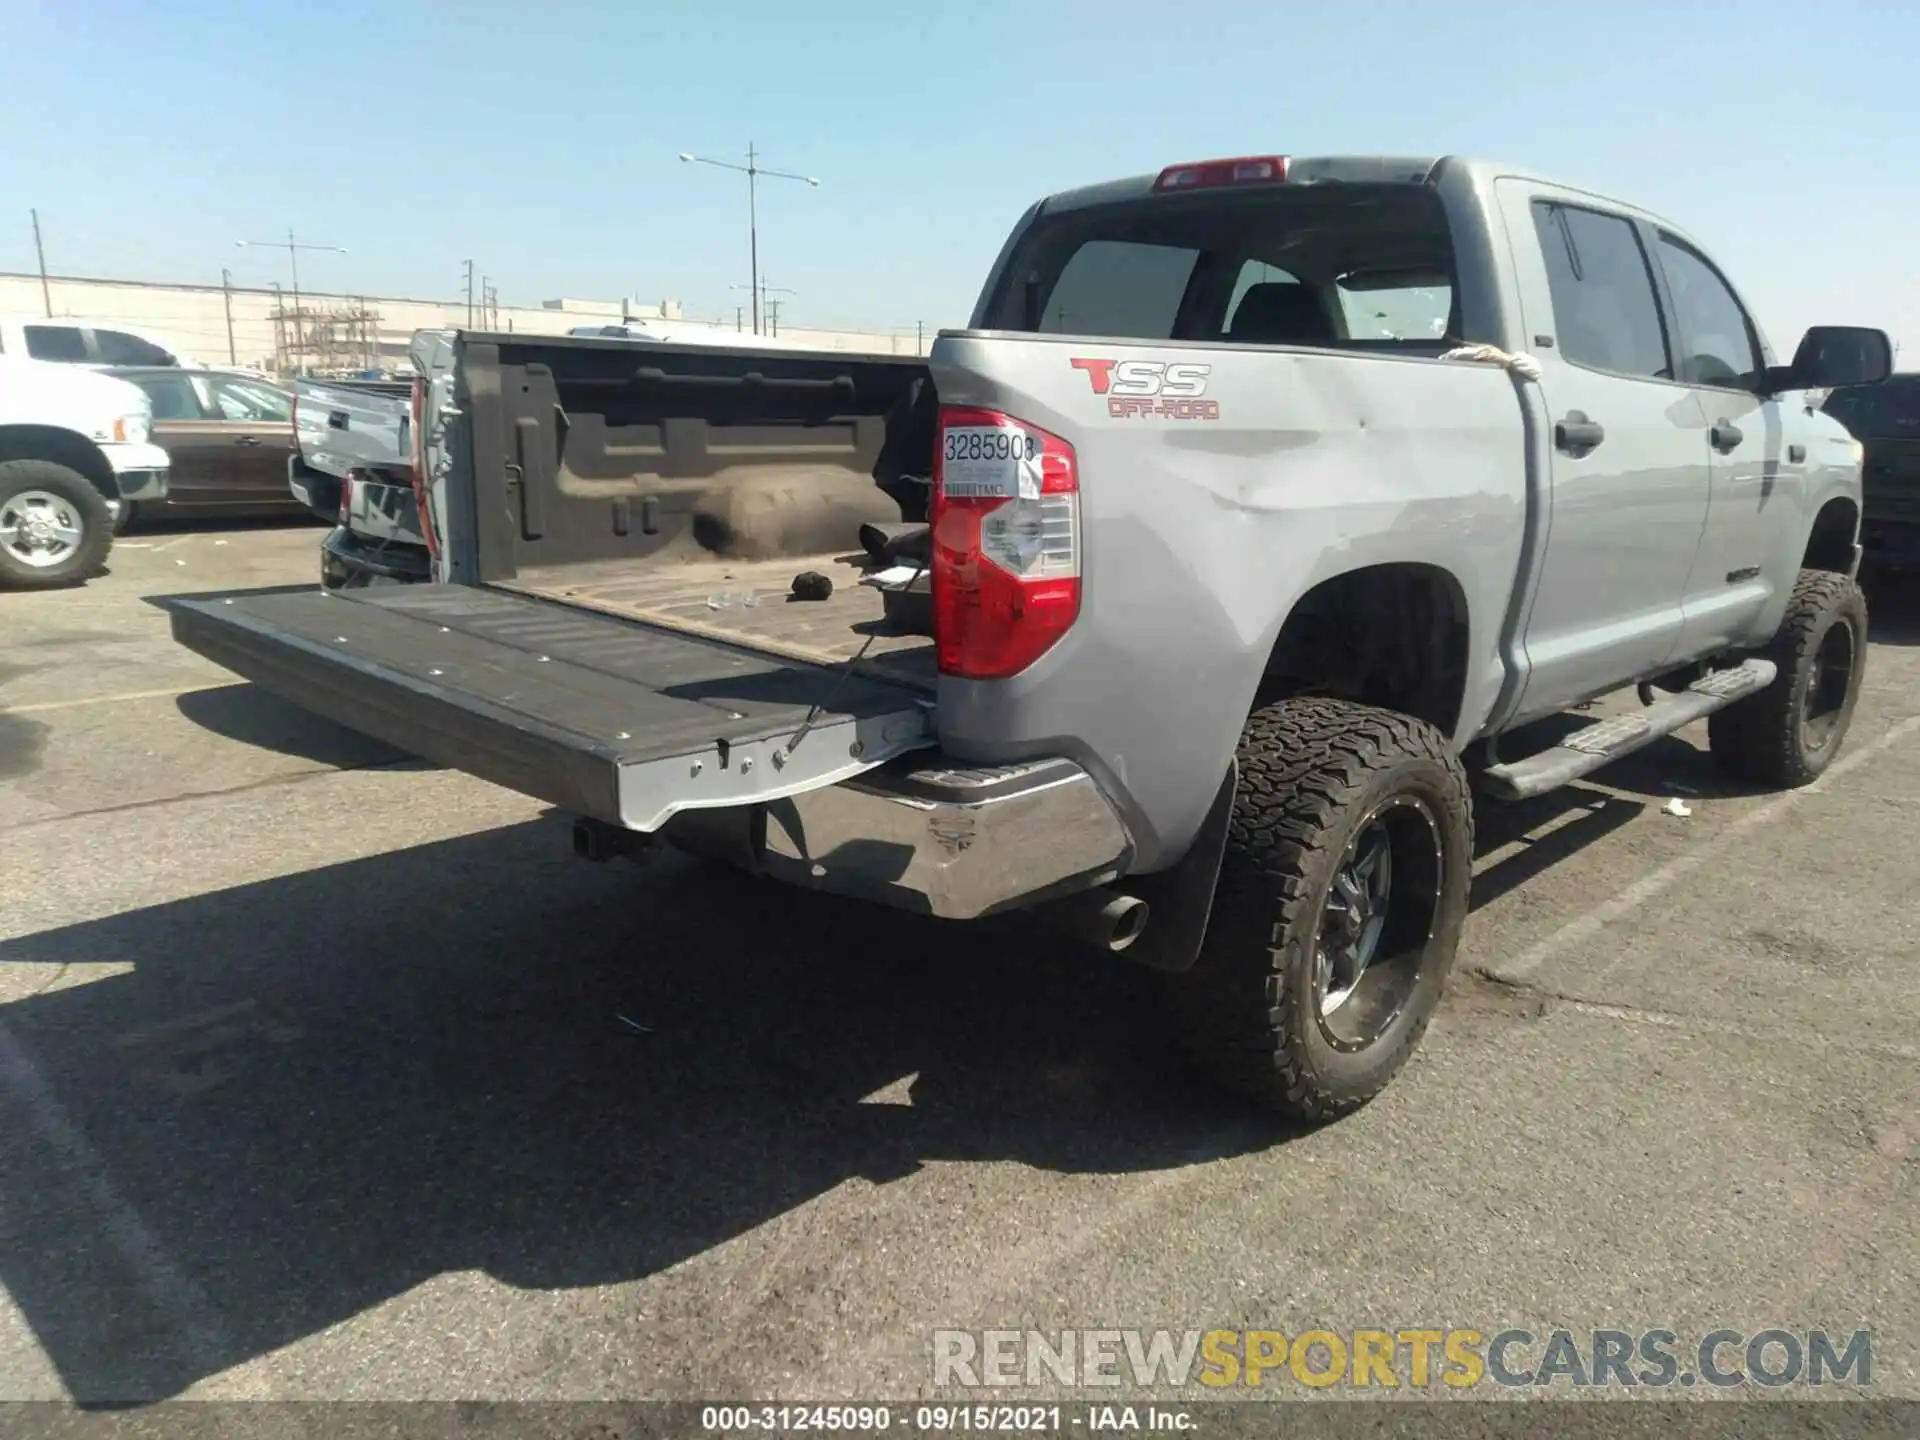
(74, 448)
(1271, 501)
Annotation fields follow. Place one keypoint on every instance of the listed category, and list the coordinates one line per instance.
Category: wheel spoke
(1378, 870)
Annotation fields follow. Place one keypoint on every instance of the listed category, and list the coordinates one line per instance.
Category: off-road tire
(1311, 771)
(1764, 738)
(90, 507)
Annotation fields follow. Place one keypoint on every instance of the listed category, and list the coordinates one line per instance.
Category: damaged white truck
(1180, 599)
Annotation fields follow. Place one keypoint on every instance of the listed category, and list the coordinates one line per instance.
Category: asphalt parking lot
(327, 1074)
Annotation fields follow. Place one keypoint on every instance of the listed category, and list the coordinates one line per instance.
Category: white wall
(193, 317)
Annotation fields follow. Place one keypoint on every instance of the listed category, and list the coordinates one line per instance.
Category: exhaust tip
(1099, 917)
(1128, 920)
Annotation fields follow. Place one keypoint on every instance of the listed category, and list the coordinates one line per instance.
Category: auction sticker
(989, 462)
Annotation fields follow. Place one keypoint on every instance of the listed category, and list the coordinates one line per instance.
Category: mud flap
(1180, 900)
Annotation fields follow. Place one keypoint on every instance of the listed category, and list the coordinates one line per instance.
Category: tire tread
(1303, 763)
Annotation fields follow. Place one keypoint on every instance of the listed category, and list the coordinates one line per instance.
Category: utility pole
(40, 252)
(773, 316)
(469, 268)
(226, 296)
(919, 337)
(293, 245)
(753, 170)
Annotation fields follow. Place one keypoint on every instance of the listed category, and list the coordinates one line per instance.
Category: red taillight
(417, 448)
(1006, 543)
(1246, 170)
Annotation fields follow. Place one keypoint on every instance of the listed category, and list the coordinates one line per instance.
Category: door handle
(1577, 432)
(1725, 436)
(248, 440)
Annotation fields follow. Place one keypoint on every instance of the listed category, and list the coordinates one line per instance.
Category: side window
(1716, 338)
(119, 348)
(172, 397)
(1121, 288)
(55, 342)
(1605, 313)
(237, 400)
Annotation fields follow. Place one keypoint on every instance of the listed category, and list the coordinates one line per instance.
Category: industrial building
(319, 332)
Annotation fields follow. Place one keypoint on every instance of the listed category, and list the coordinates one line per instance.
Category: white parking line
(1528, 963)
(169, 544)
(43, 706)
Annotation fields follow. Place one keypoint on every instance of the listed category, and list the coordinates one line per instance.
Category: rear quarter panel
(1198, 537)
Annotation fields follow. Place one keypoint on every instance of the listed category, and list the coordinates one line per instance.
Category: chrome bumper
(922, 834)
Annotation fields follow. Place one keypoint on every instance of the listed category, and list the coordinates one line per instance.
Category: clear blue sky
(540, 139)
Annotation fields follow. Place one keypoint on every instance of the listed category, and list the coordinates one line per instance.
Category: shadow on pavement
(259, 718)
(313, 1093)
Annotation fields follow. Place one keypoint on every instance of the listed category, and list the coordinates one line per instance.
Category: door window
(244, 400)
(1717, 345)
(1606, 315)
(55, 342)
(172, 396)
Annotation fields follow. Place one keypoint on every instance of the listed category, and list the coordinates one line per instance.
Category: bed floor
(683, 595)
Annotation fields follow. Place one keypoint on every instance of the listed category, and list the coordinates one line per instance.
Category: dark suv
(1885, 419)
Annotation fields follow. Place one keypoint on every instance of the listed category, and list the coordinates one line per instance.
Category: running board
(1608, 740)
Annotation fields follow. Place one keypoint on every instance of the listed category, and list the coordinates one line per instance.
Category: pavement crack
(265, 783)
(1548, 997)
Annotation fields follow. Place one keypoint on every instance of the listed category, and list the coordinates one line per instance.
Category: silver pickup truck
(1269, 499)
(352, 464)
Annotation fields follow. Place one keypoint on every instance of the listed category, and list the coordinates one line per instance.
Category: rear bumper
(346, 561)
(802, 773)
(926, 835)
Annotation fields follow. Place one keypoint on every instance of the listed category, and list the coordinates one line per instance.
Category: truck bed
(688, 597)
(647, 482)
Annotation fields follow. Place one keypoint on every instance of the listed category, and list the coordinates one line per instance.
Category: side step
(1608, 740)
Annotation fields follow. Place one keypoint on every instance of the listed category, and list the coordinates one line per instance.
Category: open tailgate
(624, 722)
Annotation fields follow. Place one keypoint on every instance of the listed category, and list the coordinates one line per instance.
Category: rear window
(55, 342)
(1333, 265)
(1888, 411)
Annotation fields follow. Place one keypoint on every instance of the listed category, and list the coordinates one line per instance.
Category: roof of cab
(1301, 170)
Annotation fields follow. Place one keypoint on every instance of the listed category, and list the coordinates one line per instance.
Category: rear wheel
(1789, 733)
(1338, 908)
(55, 528)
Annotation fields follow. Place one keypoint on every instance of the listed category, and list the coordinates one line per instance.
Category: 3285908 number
(981, 443)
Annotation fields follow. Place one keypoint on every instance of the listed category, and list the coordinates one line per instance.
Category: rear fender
(1201, 535)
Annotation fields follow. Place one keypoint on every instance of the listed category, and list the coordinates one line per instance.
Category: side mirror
(1835, 355)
